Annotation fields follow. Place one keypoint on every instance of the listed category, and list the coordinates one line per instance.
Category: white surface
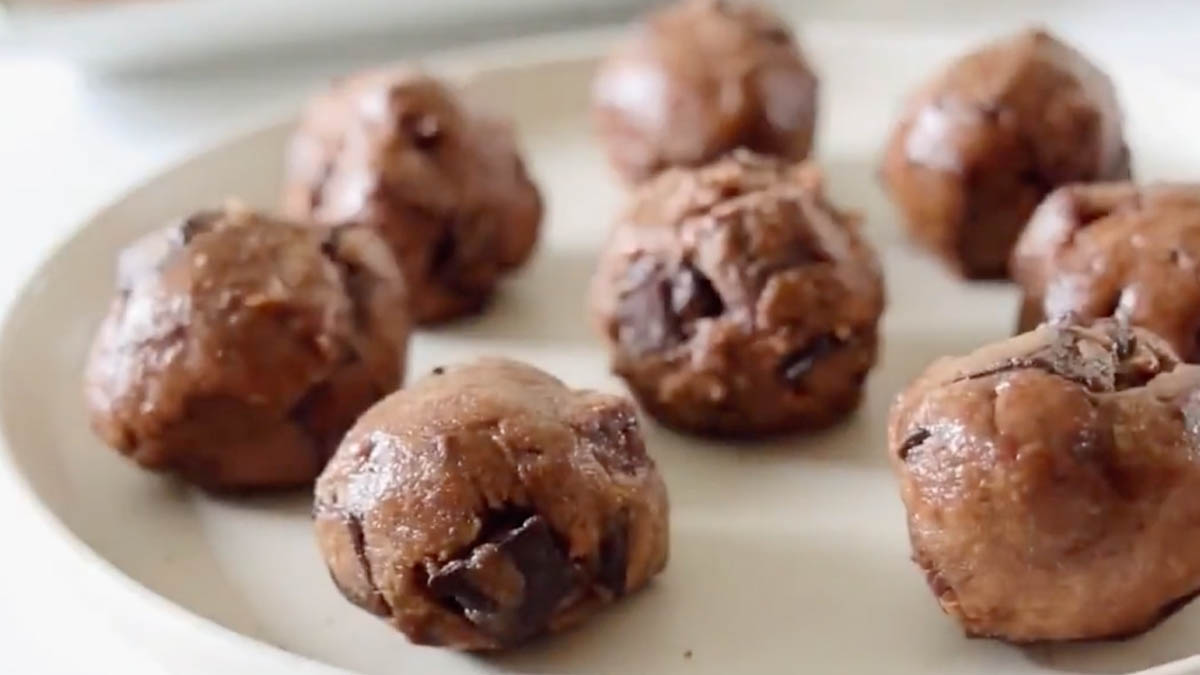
(831, 588)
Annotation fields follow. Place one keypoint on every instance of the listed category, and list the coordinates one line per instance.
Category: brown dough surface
(979, 147)
(1052, 482)
(699, 78)
(489, 503)
(397, 151)
(239, 349)
(1116, 249)
(737, 301)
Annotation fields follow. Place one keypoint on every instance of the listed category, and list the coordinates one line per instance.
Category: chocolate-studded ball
(1052, 482)
(397, 151)
(738, 301)
(488, 503)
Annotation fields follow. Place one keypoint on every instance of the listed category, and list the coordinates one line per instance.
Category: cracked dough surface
(737, 301)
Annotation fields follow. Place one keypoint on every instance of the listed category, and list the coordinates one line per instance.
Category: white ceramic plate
(786, 556)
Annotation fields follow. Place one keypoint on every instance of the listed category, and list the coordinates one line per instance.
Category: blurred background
(131, 84)
(98, 94)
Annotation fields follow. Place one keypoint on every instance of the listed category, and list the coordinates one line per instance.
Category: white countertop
(70, 142)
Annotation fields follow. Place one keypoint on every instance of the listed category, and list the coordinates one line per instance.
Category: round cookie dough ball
(737, 301)
(980, 146)
(239, 348)
(698, 79)
(397, 151)
(1116, 249)
(1052, 482)
(488, 503)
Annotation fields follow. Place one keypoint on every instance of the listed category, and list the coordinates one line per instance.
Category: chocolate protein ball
(240, 348)
(979, 146)
(397, 151)
(698, 79)
(1116, 249)
(737, 301)
(1052, 482)
(488, 503)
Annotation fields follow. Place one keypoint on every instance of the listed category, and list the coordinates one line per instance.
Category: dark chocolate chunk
(198, 223)
(1061, 357)
(614, 553)
(358, 284)
(914, 439)
(1138, 363)
(354, 527)
(510, 584)
(499, 523)
(693, 296)
(316, 193)
(305, 414)
(374, 602)
(1094, 446)
(1115, 370)
(359, 287)
(614, 439)
(645, 321)
(795, 366)
(443, 252)
(452, 582)
(657, 305)
(777, 33)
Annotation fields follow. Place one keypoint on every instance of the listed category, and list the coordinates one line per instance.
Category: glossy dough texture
(700, 78)
(1116, 249)
(979, 147)
(737, 301)
(397, 151)
(1052, 482)
(488, 503)
(239, 349)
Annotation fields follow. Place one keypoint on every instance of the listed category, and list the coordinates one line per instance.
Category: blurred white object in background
(123, 34)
